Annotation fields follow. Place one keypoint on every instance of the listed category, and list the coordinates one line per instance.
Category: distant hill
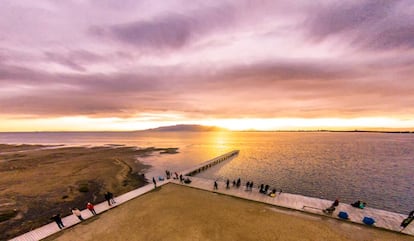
(193, 128)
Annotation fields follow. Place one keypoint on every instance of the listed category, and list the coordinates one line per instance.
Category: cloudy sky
(127, 65)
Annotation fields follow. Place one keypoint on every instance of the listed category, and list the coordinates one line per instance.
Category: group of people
(359, 204)
(236, 183)
(264, 189)
(169, 174)
(109, 197)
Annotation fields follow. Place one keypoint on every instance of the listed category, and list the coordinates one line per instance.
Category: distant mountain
(193, 128)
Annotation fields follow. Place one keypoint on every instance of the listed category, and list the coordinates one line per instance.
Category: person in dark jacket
(111, 197)
(58, 220)
(106, 195)
(155, 183)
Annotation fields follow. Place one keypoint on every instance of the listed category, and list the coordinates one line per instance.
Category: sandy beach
(174, 212)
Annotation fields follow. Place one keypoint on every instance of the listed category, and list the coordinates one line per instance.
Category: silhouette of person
(111, 197)
(215, 185)
(58, 220)
(155, 183)
(106, 195)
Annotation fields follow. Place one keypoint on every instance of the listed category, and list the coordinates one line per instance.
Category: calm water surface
(374, 167)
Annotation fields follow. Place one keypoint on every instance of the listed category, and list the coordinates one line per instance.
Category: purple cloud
(169, 30)
(271, 87)
(225, 59)
(368, 24)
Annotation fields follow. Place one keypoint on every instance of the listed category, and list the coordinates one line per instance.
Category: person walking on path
(77, 213)
(215, 185)
(155, 183)
(111, 197)
(107, 198)
(228, 184)
(91, 208)
(58, 220)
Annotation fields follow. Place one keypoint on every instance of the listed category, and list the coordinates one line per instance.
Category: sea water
(376, 168)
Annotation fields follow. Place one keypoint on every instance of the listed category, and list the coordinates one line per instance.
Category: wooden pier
(207, 164)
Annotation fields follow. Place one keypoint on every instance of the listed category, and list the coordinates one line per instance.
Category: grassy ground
(36, 183)
(175, 212)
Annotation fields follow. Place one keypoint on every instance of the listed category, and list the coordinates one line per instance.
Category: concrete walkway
(71, 220)
(383, 219)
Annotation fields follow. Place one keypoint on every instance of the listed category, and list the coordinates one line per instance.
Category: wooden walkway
(384, 219)
(207, 164)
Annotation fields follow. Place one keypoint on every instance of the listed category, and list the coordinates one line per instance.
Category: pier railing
(207, 164)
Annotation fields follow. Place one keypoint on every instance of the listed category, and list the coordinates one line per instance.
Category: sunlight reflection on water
(373, 167)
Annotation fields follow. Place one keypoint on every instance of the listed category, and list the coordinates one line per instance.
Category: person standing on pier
(215, 185)
(91, 208)
(106, 195)
(58, 220)
(238, 182)
(77, 213)
(155, 183)
(111, 197)
(251, 185)
(228, 184)
(247, 186)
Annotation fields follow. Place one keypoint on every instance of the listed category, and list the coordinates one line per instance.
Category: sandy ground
(37, 182)
(175, 212)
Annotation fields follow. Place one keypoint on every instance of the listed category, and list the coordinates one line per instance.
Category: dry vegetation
(36, 182)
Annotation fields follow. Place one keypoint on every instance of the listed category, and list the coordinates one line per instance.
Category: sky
(265, 65)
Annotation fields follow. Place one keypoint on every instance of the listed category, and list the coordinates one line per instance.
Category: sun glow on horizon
(311, 124)
(81, 123)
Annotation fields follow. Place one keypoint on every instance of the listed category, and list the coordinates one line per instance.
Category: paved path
(71, 220)
(384, 219)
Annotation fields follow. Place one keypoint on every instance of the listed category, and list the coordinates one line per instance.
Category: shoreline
(58, 179)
